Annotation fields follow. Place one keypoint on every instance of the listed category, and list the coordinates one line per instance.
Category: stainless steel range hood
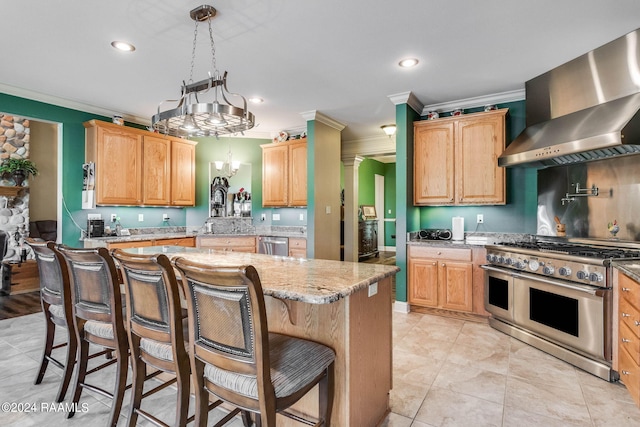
(587, 109)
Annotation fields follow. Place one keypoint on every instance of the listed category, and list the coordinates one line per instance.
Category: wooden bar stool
(97, 313)
(235, 358)
(157, 330)
(55, 297)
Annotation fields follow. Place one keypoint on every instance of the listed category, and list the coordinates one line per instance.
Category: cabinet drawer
(133, 244)
(184, 241)
(629, 290)
(440, 253)
(630, 342)
(628, 315)
(227, 242)
(629, 374)
(297, 243)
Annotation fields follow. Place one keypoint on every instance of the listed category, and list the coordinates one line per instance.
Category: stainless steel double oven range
(556, 296)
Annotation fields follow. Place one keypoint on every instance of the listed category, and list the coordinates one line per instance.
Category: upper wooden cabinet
(456, 160)
(136, 167)
(284, 173)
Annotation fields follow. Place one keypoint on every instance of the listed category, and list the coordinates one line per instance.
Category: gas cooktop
(588, 251)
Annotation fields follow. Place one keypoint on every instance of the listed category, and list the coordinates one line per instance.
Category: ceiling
(336, 57)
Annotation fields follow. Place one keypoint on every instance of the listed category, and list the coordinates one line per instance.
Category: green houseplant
(18, 169)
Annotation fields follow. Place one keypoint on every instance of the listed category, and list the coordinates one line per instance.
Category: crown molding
(73, 105)
(407, 98)
(478, 101)
(322, 118)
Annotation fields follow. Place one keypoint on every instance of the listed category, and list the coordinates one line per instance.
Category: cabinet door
(423, 282)
(181, 241)
(118, 167)
(433, 163)
(183, 173)
(456, 285)
(156, 152)
(133, 244)
(275, 175)
(298, 174)
(479, 142)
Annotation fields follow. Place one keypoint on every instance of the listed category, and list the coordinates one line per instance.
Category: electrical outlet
(114, 217)
(480, 219)
(263, 217)
(165, 217)
(94, 216)
(275, 217)
(140, 217)
(301, 217)
(373, 289)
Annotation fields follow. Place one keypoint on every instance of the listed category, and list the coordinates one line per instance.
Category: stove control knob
(534, 265)
(548, 269)
(596, 277)
(565, 271)
(581, 275)
(519, 264)
(501, 259)
(491, 257)
(508, 261)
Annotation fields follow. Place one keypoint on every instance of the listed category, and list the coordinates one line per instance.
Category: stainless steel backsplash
(618, 182)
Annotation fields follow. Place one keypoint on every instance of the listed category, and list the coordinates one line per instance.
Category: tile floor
(447, 372)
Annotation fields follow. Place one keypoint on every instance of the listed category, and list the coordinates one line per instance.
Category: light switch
(275, 217)
(140, 217)
(327, 209)
(301, 217)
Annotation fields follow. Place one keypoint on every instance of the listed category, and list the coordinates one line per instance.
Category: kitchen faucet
(580, 192)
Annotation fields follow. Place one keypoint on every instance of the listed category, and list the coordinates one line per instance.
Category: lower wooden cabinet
(228, 243)
(297, 247)
(441, 278)
(446, 278)
(629, 334)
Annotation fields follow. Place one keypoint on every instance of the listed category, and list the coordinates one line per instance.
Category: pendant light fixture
(195, 117)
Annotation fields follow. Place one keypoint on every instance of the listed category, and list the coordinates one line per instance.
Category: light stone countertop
(314, 281)
(630, 267)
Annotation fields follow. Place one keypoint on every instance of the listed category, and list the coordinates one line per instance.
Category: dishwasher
(273, 245)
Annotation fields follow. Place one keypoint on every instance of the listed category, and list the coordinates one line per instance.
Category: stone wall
(14, 211)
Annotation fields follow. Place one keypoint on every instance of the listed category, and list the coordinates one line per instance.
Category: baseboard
(401, 307)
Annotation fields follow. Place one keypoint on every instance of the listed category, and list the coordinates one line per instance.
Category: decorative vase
(18, 177)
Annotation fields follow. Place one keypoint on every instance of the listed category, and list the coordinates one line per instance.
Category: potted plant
(18, 169)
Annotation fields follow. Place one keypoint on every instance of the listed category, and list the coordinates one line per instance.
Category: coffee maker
(95, 227)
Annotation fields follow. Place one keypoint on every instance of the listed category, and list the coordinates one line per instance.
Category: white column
(351, 165)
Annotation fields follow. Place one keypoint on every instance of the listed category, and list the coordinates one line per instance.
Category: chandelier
(193, 116)
(228, 168)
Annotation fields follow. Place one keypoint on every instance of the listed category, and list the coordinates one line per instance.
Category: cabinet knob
(637, 322)
(460, 199)
(625, 289)
(626, 372)
(626, 315)
(435, 263)
(439, 253)
(626, 340)
(444, 265)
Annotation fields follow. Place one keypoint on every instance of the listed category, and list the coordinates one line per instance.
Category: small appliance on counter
(95, 228)
(434, 234)
(457, 228)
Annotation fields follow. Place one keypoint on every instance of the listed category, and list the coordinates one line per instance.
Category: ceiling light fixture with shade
(193, 116)
(408, 62)
(390, 130)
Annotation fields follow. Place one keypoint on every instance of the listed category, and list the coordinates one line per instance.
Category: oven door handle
(498, 269)
(587, 289)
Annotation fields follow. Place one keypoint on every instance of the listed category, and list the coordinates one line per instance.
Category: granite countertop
(314, 281)
(139, 237)
(472, 240)
(630, 267)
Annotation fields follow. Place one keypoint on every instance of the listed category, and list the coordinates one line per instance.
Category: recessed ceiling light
(408, 62)
(123, 46)
(256, 100)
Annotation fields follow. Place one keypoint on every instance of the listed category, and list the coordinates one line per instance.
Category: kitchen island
(344, 305)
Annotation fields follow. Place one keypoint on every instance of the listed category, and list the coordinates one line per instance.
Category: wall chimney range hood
(587, 109)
